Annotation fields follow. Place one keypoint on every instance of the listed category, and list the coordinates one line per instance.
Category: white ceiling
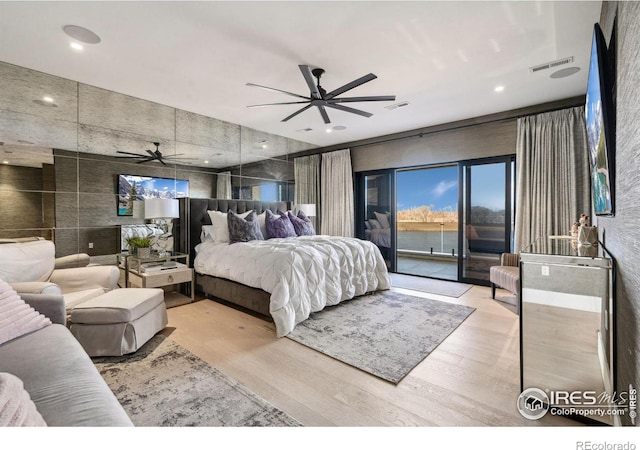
(444, 58)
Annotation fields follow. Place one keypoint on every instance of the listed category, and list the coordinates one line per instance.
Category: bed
(285, 278)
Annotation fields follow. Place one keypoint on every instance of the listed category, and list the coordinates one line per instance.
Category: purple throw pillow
(279, 226)
(302, 224)
(243, 229)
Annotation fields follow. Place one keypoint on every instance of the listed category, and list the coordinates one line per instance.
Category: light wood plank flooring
(471, 379)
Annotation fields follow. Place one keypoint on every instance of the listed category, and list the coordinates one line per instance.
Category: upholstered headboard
(198, 215)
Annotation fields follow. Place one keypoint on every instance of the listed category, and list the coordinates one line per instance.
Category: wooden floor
(471, 379)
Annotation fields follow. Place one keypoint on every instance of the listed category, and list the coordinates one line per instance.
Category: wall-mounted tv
(136, 187)
(599, 116)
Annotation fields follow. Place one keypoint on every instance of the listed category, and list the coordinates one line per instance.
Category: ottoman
(120, 321)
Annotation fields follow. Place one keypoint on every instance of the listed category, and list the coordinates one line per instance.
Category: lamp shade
(309, 209)
(161, 208)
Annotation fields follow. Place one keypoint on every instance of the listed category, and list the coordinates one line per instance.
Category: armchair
(506, 275)
(32, 268)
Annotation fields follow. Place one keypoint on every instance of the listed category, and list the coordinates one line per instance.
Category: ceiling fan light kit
(322, 99)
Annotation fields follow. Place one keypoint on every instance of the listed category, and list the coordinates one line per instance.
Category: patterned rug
(386, 334)
(429, 285)
(163, 384)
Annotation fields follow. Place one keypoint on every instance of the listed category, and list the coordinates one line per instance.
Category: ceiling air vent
(549, 65)
(397, 105)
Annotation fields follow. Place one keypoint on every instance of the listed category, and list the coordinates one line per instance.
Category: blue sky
(439, 187)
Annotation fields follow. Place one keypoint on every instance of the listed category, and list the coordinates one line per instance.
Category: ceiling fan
(322, 99)
(152, 156)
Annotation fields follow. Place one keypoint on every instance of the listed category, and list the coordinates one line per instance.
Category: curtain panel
(337, 194)
(552, 174)
(223, 185)
(306, 172)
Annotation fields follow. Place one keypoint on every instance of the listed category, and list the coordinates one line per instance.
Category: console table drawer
(167, 277)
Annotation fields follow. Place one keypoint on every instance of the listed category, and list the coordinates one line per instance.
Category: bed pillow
(375, 224)
(383, 218)
(17, 318)
(301, 224)
(262, 217)
(367, 225)
(243, 229)
(279, 225)
(221, 227)
(207, 234)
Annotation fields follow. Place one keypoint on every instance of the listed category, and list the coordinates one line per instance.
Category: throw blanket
(16, 317)
(16, 407)
(303, 274)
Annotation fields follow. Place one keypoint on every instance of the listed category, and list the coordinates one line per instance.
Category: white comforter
(303, 274)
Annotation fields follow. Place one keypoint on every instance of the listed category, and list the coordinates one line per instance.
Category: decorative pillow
(16, 407)
(383, 219)
(278, 226)
(17, 318)
(301, 224)
(207, 234)
(367, 225)
(221, 227)
(243, 229)
(375, 224)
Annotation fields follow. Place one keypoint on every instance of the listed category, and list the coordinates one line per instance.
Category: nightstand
(160, 271)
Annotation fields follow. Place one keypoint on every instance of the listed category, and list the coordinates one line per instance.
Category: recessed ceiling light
(328, 130)
(5, 162)
(339, 128)
(499, 88)
(206, 162)
(81, 34)
(76, 46)
(46, 101)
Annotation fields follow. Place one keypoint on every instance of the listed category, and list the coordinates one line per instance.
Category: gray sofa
(59, 376)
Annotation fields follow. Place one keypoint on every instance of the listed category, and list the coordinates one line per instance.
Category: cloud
(444, 186)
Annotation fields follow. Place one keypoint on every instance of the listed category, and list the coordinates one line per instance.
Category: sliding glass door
(427, 221)
(487, 217)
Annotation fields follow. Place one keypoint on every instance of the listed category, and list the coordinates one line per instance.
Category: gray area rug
(386, 334)
(163, 384)
(429, 285)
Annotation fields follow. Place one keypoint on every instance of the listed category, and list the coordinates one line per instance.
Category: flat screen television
(136, 187)
(599, 116)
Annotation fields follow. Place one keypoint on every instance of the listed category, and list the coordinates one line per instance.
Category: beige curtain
(337, 194)
(306, 172)
(552, 174)
(223, 188)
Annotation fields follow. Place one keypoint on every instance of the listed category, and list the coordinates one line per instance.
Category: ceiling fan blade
(296, 113)
(277, 90)
(308, 77)
(379, 98)
(275, 104)
(349, 110)
(349, 86)
(129, 157)
(153, 155)
(134, 154)
(323, 113)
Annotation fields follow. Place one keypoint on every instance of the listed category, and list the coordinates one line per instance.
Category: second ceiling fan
(322, 99)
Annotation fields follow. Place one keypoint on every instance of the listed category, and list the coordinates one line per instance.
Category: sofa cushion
(118, 306)
(17, 318)
(61, 379)
(27, 261)
(16, 407)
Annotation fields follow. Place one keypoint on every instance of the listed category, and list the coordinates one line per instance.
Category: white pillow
(207, 234)
(262, 219)
(375, 224)
(383, 219)
(221, 227)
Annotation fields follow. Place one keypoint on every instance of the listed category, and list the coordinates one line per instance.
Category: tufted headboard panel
(198, 216)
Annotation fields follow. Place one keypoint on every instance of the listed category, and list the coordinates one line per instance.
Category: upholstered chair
(32, 268)
(506, 275)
